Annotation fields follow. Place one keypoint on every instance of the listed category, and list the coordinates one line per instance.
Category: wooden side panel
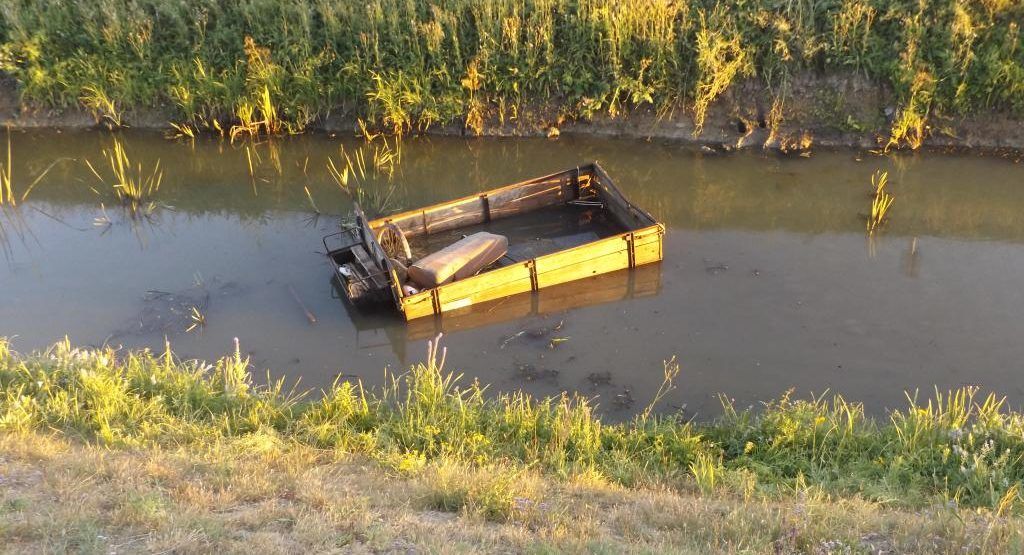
(419, 305)
(528, 197)
(648, 244)
(411, 223)
(455, 214)
(495, 284)
(628, 215)
(502, 202)
(618, 260)
(599, 257)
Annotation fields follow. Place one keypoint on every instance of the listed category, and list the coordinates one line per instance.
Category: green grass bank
(270, 67)
(951, 464)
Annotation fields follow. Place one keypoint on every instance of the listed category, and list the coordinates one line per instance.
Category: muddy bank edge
(820, 110)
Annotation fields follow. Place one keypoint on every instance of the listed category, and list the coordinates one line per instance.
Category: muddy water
(768, 283)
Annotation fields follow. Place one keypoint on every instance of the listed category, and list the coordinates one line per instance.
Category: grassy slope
(103, 449)
(261, 494)
(407, 63)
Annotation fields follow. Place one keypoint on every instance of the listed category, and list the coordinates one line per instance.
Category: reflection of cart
(375, 329)
(631, 238)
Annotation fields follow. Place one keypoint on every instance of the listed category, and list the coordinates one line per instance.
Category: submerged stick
(309, 314)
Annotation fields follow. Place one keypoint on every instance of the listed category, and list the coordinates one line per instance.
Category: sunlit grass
(6, 178)
(368, 173)
(7, 194)
(408, 65)
(881, 201)
(961, 447)
(133, 184)
(102, 106)
(256, 119)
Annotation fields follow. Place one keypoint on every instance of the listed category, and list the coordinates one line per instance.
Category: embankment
(849, 72)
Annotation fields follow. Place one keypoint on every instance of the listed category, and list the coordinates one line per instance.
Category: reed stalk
(881, 201)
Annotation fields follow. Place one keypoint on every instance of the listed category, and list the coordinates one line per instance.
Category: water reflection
(767, 281)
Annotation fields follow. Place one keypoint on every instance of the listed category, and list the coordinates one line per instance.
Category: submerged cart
(515, 239)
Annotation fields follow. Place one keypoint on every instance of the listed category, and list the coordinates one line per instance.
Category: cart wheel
(394, 243)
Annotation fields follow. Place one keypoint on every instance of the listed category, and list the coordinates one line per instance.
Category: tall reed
(881, 201)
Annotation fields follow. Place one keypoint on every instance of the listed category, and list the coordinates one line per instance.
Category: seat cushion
(459, 260)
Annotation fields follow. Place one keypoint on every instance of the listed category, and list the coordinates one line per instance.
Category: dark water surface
(768, 283)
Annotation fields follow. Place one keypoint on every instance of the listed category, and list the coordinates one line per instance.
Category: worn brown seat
(459, 260)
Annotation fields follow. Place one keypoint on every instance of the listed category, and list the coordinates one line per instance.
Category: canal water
(769, 281)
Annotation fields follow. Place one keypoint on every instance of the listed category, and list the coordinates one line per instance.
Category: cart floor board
(531, 234)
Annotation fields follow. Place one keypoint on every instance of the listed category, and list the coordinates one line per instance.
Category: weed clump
(133, 185)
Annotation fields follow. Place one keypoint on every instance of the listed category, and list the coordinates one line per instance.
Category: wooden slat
(486, 280)
(648, 245)
(529, 197)
(603, 264)
(412, 221)
(568, 257)
(628, 215)
(418, 305)
(455, 215)
(495, 284)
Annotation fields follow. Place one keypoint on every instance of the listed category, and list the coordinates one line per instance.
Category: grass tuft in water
(132, 183)
(367, 174)
(881, 201)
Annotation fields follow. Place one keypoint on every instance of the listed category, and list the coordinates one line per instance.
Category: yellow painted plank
(645, 254)
(486, 280)
(588, 251)
(488, 294)
(580, 269)
(418, 305)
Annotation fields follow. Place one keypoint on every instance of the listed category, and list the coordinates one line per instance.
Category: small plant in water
(198, 319)
(368, 176)
(132, 184)
(6, 187)
(7, 177)
(881, 202)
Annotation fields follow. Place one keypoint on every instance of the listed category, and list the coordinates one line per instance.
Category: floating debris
(538, 334)
(510, 338)
(198, 320)
(599, 378)
(625, 399)
(168, 313)
(715, 268)
(531, 373)
(556, 341)
(305, 310)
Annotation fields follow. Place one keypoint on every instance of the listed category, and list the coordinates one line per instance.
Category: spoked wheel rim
(394, 243)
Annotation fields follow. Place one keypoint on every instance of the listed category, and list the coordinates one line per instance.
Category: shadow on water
(768, 282)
